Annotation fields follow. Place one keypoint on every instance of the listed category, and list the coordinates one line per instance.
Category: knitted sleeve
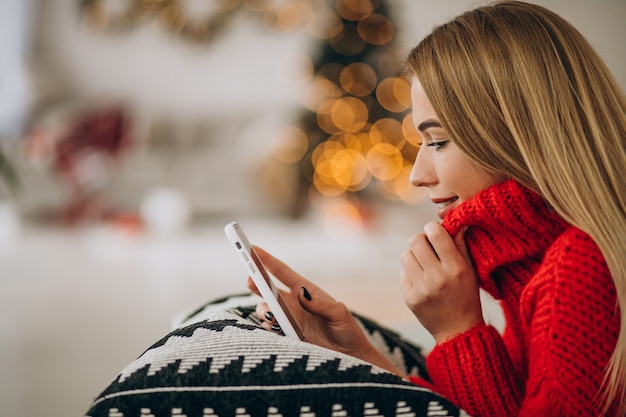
(569, 311)
(474, 371)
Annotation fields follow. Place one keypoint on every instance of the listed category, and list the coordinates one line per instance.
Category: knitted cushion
(219, 362)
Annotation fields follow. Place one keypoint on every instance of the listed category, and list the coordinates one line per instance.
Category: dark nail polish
(269, 316)
(276, 328)
(306, 294)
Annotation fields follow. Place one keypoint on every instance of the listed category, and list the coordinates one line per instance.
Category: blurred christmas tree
(355, 135)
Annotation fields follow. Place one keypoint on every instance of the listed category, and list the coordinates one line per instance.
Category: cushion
(220, 362)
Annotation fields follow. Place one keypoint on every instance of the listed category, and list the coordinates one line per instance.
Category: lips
(444, 205)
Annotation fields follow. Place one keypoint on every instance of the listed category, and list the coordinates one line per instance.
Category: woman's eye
(438, 144)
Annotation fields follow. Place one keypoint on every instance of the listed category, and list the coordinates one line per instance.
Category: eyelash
(438, 145)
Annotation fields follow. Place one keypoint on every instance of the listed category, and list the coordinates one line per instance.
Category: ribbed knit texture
(559, 302)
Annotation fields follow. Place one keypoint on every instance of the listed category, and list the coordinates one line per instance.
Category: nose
(422, 173)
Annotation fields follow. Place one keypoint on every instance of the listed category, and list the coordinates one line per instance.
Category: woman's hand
(439, 283)
(324, 321)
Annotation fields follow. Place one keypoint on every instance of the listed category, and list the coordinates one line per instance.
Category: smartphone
(264, 283)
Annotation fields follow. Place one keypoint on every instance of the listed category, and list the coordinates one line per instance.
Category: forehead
(421, 108)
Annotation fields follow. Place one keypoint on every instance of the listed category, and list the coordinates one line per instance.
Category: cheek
(467, 178)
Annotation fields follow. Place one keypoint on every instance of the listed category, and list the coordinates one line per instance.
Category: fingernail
(306, 294)
(269, 316)
(276, 328)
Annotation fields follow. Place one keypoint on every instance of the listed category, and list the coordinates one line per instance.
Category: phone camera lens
(238, 245)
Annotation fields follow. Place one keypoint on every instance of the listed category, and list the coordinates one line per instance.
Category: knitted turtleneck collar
(509, 226)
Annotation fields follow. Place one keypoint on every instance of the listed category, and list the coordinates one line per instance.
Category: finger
(288, 276)
(411, 276)
(411, 268)
(316, 301)
(459, 239)
(252, 287)
(280, 270)
(265, 315)
(261, 310)
(320, 304)
(423, 251)
(408, 259)
(450, 249)
(442, 243)
(412, 289)
(406, 283)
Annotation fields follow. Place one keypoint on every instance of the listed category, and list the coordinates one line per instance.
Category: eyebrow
(427, 124)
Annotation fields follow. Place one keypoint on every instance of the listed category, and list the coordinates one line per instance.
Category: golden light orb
(376, 29)
(394, 94)
(354, 10)
(358, 79)
(290, 144)
(349, 114)
(385, 161)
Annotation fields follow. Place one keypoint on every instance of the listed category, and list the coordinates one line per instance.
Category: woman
(523, 133)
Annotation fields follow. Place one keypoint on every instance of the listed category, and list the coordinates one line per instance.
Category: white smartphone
(261, 277)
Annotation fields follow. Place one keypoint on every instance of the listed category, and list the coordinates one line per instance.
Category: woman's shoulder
(572, 292)
(568, 311)
(575, 249)
(573, 267)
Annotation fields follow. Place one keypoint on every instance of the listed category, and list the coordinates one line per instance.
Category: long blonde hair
(522, 92)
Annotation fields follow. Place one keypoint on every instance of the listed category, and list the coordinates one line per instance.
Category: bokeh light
(375, 29)
(290, 16)
(319, 91)
(348, 42)
(394, 94)
(410, 132)
(360, 131)
(358, 79)
(403, 188)
(342, 218)
(327, 24)
(355, 132)
(387, 130)
(385, 161)
(354, 10)
(290, 144)
(349, 114)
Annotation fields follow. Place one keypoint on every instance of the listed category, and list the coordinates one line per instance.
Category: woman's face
(450, 176)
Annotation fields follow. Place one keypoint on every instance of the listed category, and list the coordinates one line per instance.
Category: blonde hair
(522, 93)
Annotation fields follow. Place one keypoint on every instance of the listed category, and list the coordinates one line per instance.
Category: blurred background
(132, 131)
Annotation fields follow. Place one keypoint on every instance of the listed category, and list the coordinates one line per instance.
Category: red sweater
(559, 302)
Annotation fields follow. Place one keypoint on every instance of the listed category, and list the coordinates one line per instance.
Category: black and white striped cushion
(219, 363)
